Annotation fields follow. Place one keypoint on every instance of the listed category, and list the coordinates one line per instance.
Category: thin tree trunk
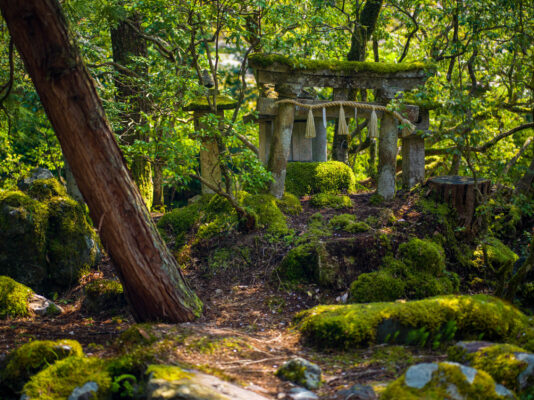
(524, 185)
(131, 94)
(154, 285)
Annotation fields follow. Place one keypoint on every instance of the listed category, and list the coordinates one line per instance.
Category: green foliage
(61, 378)
(329, 200)
(175, 224)
(289, 204)
(304, 178)
(13, 298)
(45, 189)
(348, 223)
(32, 357)
(346, 326)
(103, 295)
(423, 255)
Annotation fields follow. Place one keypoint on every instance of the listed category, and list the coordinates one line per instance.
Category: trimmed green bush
(329, 200)
(305, 178)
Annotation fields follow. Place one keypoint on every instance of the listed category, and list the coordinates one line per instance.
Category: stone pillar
(340, 145)
(266, 134)
(413, 160)
(280, 147)
(319, 142)
(387, 156)
(210, 169)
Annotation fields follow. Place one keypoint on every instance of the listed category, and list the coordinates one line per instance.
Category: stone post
(319, 142)
(413, 160)
(387, 156)
(210, 169)
(281, 141)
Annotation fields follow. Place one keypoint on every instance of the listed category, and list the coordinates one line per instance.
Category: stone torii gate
(281, 127)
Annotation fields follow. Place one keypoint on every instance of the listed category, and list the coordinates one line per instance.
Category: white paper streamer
(324, 117)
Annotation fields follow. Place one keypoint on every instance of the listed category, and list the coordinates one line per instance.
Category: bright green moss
(499, 256)
(167, 372)
(301, 263)
(317, 228)
(348, 223)
(201, 103)
(59, 380)
(45, 189)
(377, 286)
(423, 255)
(305, 178)
(328, 200)
(141, 170)
(447, 382)
(268, 215)
(357, 324)
(176, 224)
(266, 60)
(135, 335)
(13, 298)
(289, 204)
(498, 360)
(32, 357)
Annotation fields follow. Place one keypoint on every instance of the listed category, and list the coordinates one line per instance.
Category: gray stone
(86, 392)
(419, 375)
(469, 373)
(40, 305)
(526, 377)
(357, 392)
(502, 391)
(38, 173)
(197, 386)
(301, 372)
(301, 394)
(473, 346)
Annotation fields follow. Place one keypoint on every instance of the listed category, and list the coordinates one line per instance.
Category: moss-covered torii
(154, 285)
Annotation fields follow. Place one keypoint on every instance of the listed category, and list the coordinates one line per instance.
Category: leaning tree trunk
(154, 285)
(131, 94)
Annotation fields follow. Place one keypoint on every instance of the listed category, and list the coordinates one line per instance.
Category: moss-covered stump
(494, 254)
(509, 365)
(418, 272)
(62, 378)
(32, 357)
(420, 322)
(14, 298)
(103, 296)
(45, 237)
(306, 178)
(445, 380)
(172, 382)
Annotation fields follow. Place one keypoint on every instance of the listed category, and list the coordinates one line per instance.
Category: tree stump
(460, 193)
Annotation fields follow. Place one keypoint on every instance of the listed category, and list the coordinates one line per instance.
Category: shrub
(305, 178)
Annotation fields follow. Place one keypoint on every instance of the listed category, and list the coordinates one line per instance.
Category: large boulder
(445, 380)
(510, 365)
(46, 240)
(170, 382)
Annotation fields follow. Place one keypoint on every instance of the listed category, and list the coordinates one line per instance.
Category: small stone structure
(210, 169)
(282, 128)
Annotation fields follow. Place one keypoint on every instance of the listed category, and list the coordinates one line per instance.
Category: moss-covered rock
(14, 298)
(268, 215)
(348, 223)
(60, 379)
(445, 380)
(419, 273)
(45, 240)
(23, 225)
(360, 324)
(305, 178)
(71, 242)
(494, 253)
(32, 357)
(175, 224)
(289, 204)
(329, 200)
(302, 372)
(103, 296)
(509, 365)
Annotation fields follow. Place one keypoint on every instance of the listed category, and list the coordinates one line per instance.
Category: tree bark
(131, 94)
(283, 129)
(363, 29)
(524, 185)
(154, 285)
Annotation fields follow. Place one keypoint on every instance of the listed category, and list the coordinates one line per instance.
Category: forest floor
(246, 330)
